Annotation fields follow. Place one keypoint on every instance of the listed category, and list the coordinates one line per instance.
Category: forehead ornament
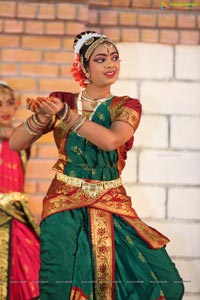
(102, 40)
(108, 45)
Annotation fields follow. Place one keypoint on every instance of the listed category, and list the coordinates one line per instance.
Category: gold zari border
(62, 197)
(154, 238)
(4, 259)
(101, 230)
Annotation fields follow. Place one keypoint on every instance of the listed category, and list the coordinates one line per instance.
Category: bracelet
(38, 122)
(79, 122)
(66, 114)
(31, 126)
(28, 128)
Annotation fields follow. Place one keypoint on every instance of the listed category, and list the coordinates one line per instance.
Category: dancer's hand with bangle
(47, 106)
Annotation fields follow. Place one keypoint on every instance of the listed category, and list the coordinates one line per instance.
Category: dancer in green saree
(93, 244)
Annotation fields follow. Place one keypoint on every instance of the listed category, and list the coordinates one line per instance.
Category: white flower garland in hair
(83, 39)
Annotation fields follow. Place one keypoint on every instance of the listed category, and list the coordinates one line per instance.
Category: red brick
(93, 17)
(108, 17)
(46, 11)
(39, 70)
(67, 84)
(120, 3)
(8, 69)
(68, 43)
(41, 42)
(189, 37)
(40, 168)
(30, 187)
(65, 70)
(58, 57)
(54, 28)
(127, 18)
(7, 9)
(48, 151)
(141, 4)
(23, 83)
(43, 186)
(157, 3)
(13, 26)
(169, 37)
(21, 55)
(67, 11)
(149, 36)
(147, 20)
(113, 33)
(198, 21)
(167, 20)
(74, 28)
(22, 114)
(35, 204)
(1, 25)
(26, 10)
(186, 21)
(97, 28)
(130, 35)
(9, 41)
(83, 13)
(33, 149)
(100, 2)
(34, 26)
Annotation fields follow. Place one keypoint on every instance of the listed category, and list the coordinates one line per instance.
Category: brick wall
(160, 65)
(163, 169)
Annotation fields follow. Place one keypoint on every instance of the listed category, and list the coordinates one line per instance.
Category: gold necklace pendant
(86, 97)
(83, 96)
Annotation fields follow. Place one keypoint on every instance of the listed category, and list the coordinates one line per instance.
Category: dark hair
(5, 88)
(84, 47)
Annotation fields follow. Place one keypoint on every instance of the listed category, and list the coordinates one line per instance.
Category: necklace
(86, 97)
(83, 96)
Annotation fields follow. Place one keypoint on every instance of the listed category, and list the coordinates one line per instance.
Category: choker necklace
(84, 96)
(95, 102)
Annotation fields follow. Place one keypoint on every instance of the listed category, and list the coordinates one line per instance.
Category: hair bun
(80, 35)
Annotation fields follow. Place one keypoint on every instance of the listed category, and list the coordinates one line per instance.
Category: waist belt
(88, 188)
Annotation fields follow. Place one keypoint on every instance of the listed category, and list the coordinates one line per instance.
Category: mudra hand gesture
(45, 105)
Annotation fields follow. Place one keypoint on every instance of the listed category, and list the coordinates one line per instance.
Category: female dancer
(19, 235)
(93, 244)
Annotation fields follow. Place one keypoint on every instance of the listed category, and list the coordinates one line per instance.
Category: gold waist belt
(88, 188)
(11, 197)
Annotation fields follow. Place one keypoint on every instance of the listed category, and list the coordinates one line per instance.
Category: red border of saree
(77, 294)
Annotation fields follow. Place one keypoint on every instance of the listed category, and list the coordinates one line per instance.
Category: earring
(87, 80)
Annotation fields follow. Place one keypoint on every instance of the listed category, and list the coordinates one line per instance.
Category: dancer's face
(104, 65)
(7, 108)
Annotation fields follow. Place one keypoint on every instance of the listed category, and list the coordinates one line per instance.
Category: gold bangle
(63, 113)
(28, 129)
(79, 122)
(38, 122)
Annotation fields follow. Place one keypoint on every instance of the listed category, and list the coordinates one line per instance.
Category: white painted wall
(163, 169)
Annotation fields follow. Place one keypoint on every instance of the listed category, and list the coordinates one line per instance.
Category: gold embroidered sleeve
(129, 116)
